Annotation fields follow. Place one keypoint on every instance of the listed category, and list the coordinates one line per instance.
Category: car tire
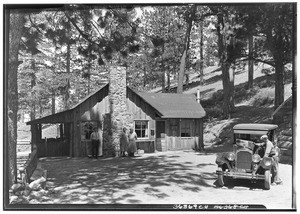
(267, 179)
(220, 178)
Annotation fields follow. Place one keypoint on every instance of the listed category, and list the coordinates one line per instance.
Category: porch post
(61, 131)
(34, 133)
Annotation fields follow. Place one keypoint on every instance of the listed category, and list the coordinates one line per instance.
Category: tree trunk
(201, 66)
(32, 84)
(228, 89)
(15, 21)
(185, 51)
(67, 93)
(181, 72)
(162, 68)
(279, 87)
(227, 73)
(41, 107)
(144, 77)
(168, 80)
(250, 63)
(187, 79)
(53, 101)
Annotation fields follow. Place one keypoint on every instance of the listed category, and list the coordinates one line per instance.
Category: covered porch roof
(67, 115)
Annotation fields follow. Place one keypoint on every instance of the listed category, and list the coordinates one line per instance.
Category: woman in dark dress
(123, 142)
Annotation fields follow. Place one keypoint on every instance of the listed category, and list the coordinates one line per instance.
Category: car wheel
(267, 179)
(220, 178)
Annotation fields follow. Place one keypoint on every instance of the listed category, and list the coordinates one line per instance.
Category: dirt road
(180, 177)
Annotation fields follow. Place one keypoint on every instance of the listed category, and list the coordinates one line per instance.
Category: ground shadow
(111, 180)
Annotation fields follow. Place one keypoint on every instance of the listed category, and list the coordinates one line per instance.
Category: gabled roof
(171, 105)
(67, 115)
(166, 104)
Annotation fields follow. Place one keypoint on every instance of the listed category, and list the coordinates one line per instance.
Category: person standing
(123, 142)
(269, 147)
(132, 137)
(95, 142)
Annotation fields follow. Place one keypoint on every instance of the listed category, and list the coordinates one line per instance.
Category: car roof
(255, 126)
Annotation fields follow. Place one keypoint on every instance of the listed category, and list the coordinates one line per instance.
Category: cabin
(162, 121)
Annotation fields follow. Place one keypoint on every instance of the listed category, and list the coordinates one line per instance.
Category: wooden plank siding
(141, 110)
(174, 141)
(92, 109)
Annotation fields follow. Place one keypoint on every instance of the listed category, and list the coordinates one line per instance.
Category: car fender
(266, 163)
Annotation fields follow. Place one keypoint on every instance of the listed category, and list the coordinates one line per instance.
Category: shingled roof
(168, 105)
(174, 105)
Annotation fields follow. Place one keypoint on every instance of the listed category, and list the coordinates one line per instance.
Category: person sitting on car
(269, 150)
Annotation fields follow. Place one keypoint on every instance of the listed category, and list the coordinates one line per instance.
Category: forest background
(56, 56)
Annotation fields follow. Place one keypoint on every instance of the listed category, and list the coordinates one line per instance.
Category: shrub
(243, 94)
(268, 82)
(217, 96)
(264, 97)
(214, 111)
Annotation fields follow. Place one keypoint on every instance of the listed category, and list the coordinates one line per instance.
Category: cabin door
(160, 135)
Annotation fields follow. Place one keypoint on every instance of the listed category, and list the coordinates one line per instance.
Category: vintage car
(247, 160)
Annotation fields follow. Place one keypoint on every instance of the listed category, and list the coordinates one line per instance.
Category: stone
(140, 151)
(38, 173)
(35, 195)
(13, 199)
(49, 184)
(17, 187)
(35, 185)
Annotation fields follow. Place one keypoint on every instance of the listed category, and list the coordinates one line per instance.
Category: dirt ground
(173, 177)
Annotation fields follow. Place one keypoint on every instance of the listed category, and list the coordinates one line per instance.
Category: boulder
(37, 184)
(13, 199)
(17, 187)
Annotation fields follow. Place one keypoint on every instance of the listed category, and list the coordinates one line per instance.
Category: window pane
(138, 133)
(141, 128)
(186, 127)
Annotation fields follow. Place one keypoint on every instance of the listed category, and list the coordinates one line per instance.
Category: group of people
(128, 142)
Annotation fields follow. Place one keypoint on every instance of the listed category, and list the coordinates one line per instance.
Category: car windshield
(251, 137)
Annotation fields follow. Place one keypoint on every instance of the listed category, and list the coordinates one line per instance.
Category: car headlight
(256, 158)
(230, 156)
(267, 161)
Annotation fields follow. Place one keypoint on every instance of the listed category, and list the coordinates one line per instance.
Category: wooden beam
(34, 132)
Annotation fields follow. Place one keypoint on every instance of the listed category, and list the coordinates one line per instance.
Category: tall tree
(277, 24)
(16, 23)
(272, 26)
(230, 49)
(190, 17)
(250, 62)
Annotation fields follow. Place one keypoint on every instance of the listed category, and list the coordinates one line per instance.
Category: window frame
(146, 129)
(188, 127)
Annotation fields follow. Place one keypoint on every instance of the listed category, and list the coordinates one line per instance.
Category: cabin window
(141, 129)
(186, 128)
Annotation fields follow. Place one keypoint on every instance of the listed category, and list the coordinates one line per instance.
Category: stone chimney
(119, 114)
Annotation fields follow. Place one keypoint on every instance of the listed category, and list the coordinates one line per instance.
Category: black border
(126, 207)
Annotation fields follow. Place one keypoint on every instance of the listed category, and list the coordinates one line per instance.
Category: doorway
(160, 128)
